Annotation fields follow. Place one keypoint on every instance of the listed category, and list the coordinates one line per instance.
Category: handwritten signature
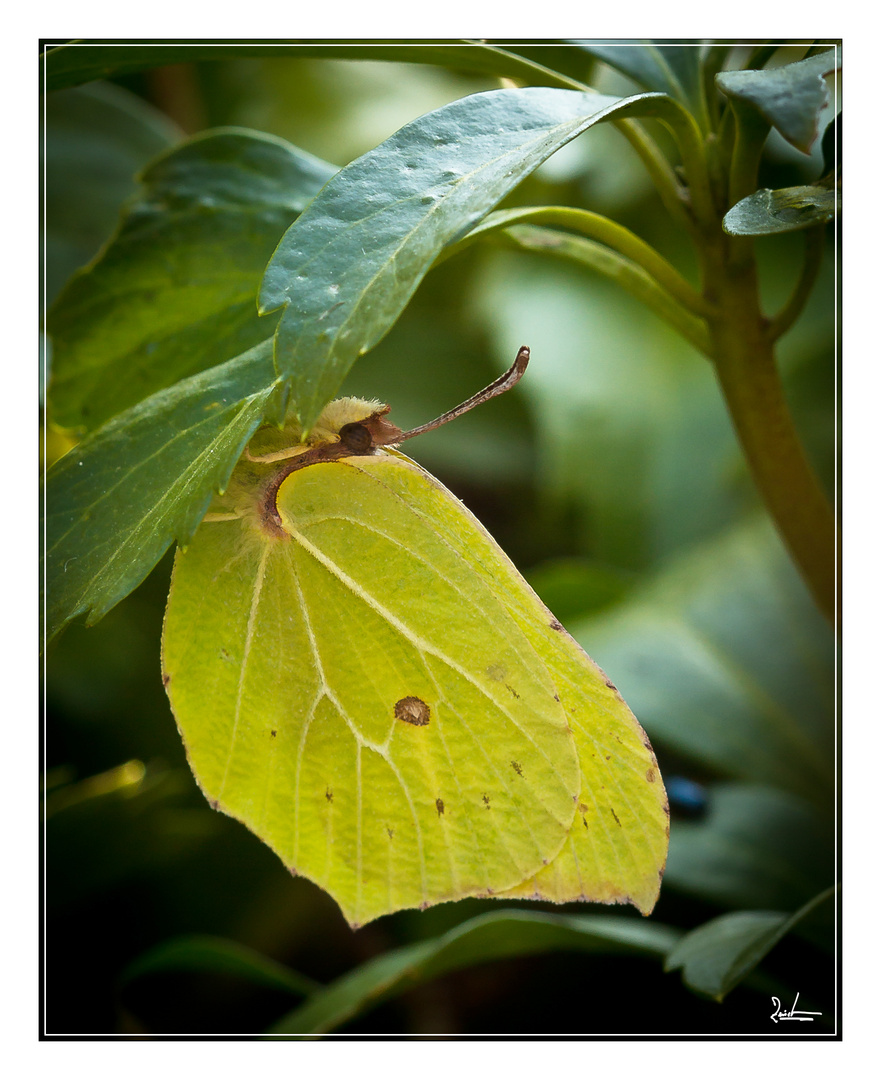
(791, 1014)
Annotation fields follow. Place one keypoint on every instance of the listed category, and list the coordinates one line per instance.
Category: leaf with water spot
(361, 676)
(784, 210)
(346, 269)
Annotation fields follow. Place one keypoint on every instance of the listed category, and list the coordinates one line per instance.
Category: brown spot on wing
(413, 710)
(328, 795)
(650, 775)
(439, 803)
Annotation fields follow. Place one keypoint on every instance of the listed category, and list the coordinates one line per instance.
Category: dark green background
(612, 479)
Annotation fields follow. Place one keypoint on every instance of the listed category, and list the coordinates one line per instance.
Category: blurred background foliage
(613, 480)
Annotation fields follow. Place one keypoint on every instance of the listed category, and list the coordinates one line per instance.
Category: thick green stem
(744, 358)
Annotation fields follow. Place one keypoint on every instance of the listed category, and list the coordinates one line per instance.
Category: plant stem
(795, 304)
(673, 195)
(607, 231)
(624, 272)
(744, 357)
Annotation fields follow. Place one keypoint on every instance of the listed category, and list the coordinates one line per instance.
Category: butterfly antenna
(504, 382)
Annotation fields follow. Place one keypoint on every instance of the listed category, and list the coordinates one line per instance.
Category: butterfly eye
(356, 438)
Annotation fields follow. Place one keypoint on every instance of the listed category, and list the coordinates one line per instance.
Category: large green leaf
(79, 62)
(175, 290)
(789, 98)
(725, 659)
(757, 847)
(716, 956)
(346, 269)
(488, 937)
(117, 501)
(96, 139)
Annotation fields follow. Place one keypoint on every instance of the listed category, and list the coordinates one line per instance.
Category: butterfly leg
(278, 455)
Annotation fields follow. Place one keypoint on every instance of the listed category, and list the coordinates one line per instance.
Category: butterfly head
(360, 425)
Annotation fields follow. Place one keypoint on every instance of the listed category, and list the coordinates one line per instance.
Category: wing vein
(246, 652)
(422, 646)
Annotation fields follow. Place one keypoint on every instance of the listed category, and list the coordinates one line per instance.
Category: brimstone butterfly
(362, 677)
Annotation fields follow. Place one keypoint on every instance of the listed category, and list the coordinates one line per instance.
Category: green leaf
(784, 210)
(558, 56)
(349, 265)
(175, 290)
(203, 953)
(96, 139)
(116, 502)
(670, 69)
(718, 955)
(757, 847)
(725, 659)
(486, 938)
(71, 65)
(790, 98)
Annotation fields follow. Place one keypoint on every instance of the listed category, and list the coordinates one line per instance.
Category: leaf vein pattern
(171, 491)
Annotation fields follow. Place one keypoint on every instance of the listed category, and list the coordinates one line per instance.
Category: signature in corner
(791, 1014)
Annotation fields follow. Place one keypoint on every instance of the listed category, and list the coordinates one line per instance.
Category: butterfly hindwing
(360, 695)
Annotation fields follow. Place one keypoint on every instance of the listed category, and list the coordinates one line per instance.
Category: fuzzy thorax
(342, 411)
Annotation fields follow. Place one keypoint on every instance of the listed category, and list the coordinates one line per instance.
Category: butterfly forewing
(617, 847)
